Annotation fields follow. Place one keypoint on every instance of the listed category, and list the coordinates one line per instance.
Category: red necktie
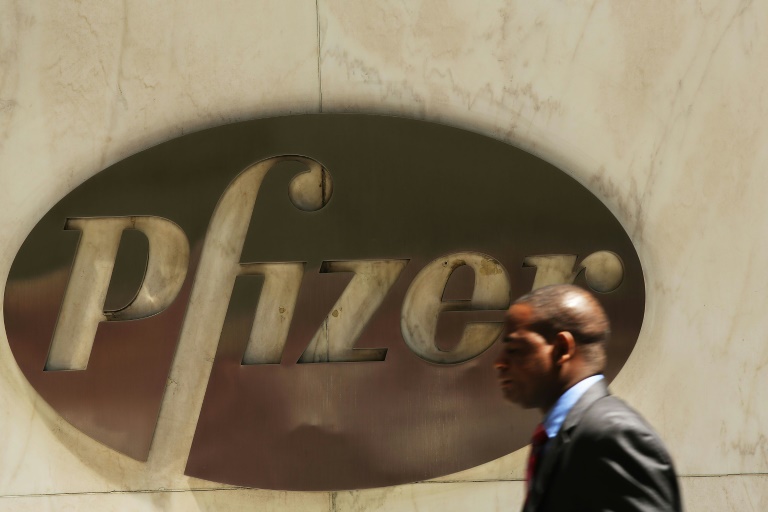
(538, 441)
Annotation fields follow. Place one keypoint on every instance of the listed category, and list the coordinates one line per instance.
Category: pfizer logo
(349, 272)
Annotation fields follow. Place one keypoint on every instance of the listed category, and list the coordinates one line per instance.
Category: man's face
(525, 367)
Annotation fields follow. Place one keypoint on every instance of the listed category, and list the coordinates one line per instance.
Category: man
(592, 452)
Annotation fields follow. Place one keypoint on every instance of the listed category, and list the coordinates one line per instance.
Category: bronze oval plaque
(352, 271)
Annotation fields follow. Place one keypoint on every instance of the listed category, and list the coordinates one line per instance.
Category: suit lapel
(557, 446)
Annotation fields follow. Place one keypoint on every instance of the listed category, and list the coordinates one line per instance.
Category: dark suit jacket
(605, 458)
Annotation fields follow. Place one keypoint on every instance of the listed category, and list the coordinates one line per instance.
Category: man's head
(553, 338)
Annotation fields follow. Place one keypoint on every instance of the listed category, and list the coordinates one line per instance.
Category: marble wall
(657, 107)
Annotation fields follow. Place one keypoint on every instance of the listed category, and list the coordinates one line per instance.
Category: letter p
(83, 306)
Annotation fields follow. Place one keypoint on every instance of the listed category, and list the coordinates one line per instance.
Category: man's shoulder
(614, 412)
(610, 411)
(612, 459)
(610, 420)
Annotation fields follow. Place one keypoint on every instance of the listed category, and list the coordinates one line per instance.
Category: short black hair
(565, 307)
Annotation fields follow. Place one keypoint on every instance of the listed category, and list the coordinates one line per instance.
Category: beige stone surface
(210, 500)
(83, 85)
(659, 110)
(727, 492)
(443, 496)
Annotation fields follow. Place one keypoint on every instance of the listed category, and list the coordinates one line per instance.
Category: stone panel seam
(140, 491)
(722, 475)
(319, 74)
(332, 494)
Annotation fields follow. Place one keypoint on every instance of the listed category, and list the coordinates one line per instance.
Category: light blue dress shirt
(556, 416)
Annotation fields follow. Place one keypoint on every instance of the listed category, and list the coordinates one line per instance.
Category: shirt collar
(556, 416)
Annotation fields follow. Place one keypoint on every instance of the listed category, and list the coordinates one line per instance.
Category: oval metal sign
(352, 272)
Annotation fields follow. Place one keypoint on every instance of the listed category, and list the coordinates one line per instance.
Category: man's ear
(564, 347)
